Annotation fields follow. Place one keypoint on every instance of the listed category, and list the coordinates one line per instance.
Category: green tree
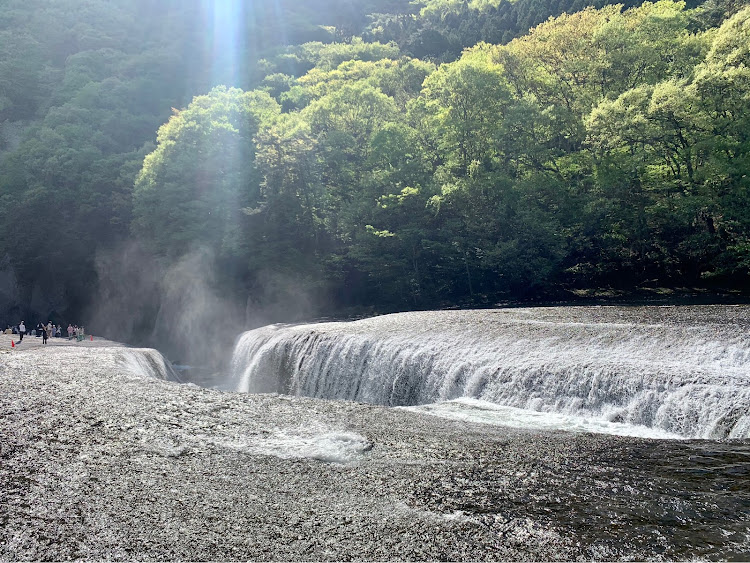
(202, 173)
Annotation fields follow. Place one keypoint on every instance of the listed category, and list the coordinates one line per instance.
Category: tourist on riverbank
(21, 331)
(70, 331)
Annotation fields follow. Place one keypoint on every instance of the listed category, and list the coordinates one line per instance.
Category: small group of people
(46, 331)
(75, 331)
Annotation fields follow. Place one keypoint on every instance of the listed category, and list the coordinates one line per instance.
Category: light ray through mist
(223, 24)
(279, 17)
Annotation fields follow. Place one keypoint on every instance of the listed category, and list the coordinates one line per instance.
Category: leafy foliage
(607, 146)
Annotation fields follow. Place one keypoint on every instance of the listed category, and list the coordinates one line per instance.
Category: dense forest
(366, 155)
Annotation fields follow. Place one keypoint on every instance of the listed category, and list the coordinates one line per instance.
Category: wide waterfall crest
(682, 370)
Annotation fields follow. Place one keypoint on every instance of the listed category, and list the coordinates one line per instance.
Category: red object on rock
(92, 338)
(12, 343)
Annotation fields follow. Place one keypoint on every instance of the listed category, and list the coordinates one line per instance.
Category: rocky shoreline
(98, 462)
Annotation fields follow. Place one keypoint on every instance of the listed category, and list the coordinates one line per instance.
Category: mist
(195, 324)
(179, 307)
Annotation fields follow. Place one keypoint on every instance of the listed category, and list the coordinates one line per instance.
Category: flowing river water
(678, 376)
(594, 433)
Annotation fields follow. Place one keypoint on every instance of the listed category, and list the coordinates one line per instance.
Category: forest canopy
(383, 154)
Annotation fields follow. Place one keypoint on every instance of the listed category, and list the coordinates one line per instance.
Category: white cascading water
(147, 363)
(681, 371)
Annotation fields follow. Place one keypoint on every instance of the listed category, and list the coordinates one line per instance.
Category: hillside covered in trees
(375, 154)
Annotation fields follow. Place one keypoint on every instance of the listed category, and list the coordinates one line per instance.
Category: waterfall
(682, 370)
(147, 363)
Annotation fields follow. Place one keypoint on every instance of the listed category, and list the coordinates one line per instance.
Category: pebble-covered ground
(98, 462)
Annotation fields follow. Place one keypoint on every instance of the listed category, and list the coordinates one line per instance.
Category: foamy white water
(674, 370)
(315, 442)
(146, 362)
(483, 412)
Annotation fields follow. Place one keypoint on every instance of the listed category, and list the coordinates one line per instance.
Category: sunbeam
(224, 22)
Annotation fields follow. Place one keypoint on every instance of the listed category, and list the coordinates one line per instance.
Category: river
(603, 433)
(677, 377)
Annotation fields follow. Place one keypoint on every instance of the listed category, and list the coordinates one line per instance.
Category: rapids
(681, 371)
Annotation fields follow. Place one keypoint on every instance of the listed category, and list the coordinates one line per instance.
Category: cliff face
(99, 462)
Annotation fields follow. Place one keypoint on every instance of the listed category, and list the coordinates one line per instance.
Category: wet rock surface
(97, 462)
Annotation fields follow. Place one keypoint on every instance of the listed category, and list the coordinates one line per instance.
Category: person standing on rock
(45, 334)
(70, 331)
(21, 331)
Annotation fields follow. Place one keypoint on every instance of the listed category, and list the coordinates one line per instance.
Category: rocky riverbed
(98, 461)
